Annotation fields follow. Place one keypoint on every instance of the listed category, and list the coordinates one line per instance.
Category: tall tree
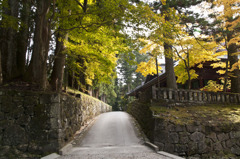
(23, 36)
(56, 79)
(227, 32)
(166, 19)
(37, 71)
(9, 28)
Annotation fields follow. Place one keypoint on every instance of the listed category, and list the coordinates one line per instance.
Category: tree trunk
(235, 73)
(171, 78)
(23, 37)
(225, 78)
(129, 87)
(1, 78)
(96, 93)
(37, 72)
(9, 44)
(58, 68)
(103, 98)
(189, 79)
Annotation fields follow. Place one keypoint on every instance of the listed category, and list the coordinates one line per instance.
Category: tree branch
(79, 3)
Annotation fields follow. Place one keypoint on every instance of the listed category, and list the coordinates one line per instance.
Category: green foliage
(97, 51)
(6, 20)
(93, 40)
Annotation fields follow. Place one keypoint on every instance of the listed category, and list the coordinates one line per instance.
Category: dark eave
(146, 85)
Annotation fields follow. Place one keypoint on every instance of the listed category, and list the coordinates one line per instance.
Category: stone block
(209, 144)
(54, 123)
(30, 101)
(192, 149)
(202, 147)
(213, 137)
(17, 99)
(191, 128)
(174, 137)
(195, 128)
(22, 147)
(23, 120)
(1, 115)
(238, 142)
(235, 150)
(15, 135)
(180, 149)
(183, 137)
(55, 110)
(162, 136)
(171, 128)
(235, 134)
(222, 137)
(45, 99)
(217, 147)
(169, 148)
(230, 143)
(17, 112)
(180, 128)
(224, 145)
(197, 136)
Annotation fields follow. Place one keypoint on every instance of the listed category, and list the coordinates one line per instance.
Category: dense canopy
(96, 46)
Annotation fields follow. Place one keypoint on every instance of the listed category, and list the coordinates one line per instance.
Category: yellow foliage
(200, 66)
(191, 53)
(148, 68)
(183, 76)
(163, 2)
(235, 66)
(219, 64)
(212, 86)
(221, 72)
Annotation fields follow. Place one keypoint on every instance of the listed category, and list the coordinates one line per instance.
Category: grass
(204, 114)
(74, 91)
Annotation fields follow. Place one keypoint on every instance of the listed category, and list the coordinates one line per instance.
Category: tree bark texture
(235, 74)
(23, 36)
(170, 74)
(37, 72)
(9, 44)
(58, 67)
(1, 78)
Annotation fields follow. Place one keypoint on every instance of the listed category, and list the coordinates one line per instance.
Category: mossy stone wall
(197, 139)
(33, 124)
(191, 140)
(142, 113)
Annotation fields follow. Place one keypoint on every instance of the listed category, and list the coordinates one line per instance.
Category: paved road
(113, 136)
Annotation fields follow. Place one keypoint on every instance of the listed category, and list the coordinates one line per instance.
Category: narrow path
(112, 136)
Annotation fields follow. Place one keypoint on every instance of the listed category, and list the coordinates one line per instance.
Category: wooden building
(204, 75)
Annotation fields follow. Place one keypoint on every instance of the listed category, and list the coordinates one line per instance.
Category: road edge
(80, 134)
(148, 143)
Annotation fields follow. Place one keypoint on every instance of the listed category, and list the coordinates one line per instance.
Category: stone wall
(201, 141)
(33, 124)
(76, 112)
(142, 113)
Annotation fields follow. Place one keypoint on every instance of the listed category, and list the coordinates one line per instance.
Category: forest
(106, 48)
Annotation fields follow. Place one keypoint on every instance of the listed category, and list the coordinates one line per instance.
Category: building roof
(148, 83)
